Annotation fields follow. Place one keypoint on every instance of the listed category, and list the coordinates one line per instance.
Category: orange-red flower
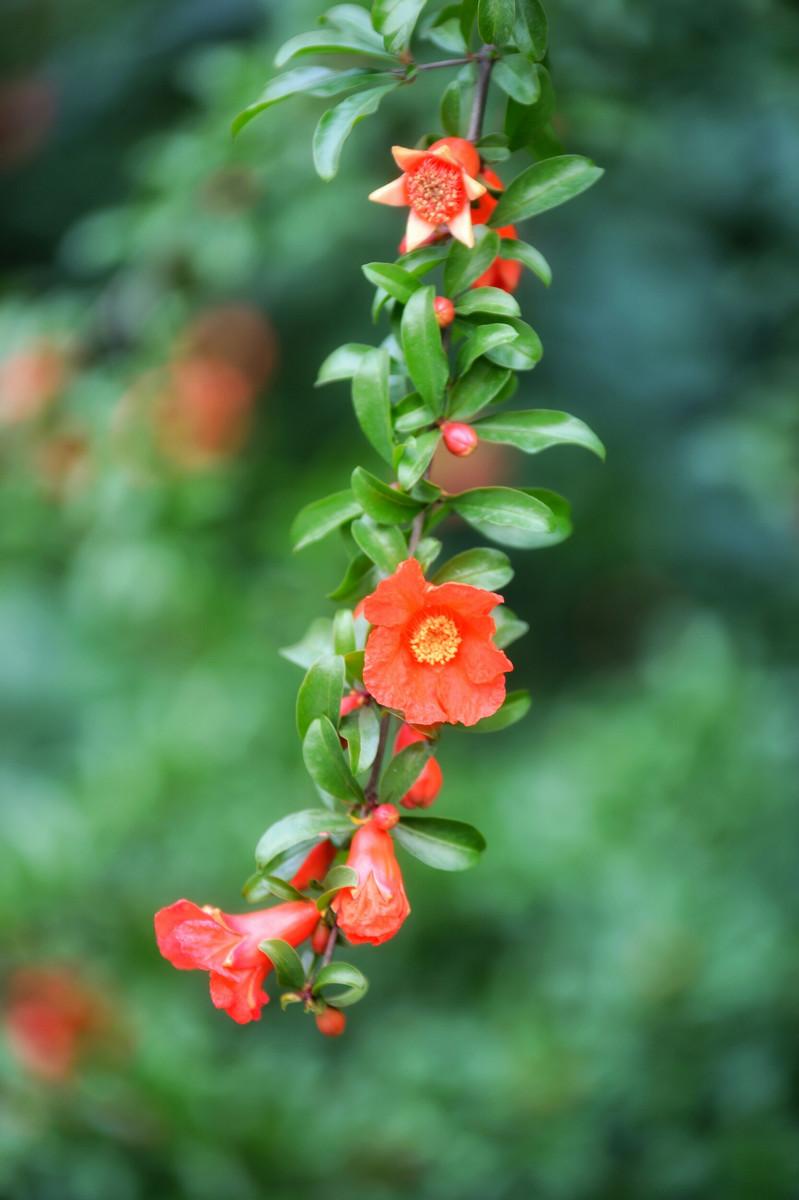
(438, 190)
(374, 910)
(226, 945)
(429, 654)
(503, 273)
(429, 782)
(315, 865)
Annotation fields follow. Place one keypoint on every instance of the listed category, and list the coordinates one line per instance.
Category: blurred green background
(609, 1006)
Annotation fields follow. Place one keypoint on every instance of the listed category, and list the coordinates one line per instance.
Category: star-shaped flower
(437, 189)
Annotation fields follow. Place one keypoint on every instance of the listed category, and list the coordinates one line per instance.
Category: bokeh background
(609, 1006)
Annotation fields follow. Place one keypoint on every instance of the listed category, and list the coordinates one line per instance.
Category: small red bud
(385, 817)
(459, 439)
(444, 310)
(331, 1022)
(320, 938)
(350, 702)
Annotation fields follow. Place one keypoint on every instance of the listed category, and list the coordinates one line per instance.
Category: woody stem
(485, 65)
(370, 791)
(445, 62)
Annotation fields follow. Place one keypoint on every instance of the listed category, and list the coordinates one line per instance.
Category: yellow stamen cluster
(435, 640)
(435, 191)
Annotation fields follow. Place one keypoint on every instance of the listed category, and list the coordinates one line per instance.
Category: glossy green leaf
(411, 415)
(336, 125)
(528, 256)
(474, 391)
(495, 21)
(427, 552)
(344, 975)
(421, 344)
(342, 363)
(331, 41)
(445, 845)
(356, 581)
(508, 627)
(443, 29)
(320, 692)
(397, 281)
(385, 545)
(361, 729)
(480, 341)
(561, 522)
(530, 29)
(396, 20)
(451, 108)
(336, 879)
(538, 429)
(316, 641)
(372, 403)
(464, 265)
(424, 258)
(402, 772)
(352, 18)
(384, 504)
(505, 515)
(487, 300)
(286, 961)
(299, 829)
(482, 567)
(415, 458)
(516, 706)
(522, 353)
(518, 78)
(326, 81)
(321, 517)
(545, 185)
(275, 886)
(325, 762)
(343, 632)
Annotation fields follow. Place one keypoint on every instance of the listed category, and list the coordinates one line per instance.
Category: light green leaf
(384, 504)
(506, 515)
(396, 20)
(286, 961)
(302, 79)
(330, 41)
(421, 344)
(353, 981)
(336, 125)
(508, 627)
(516, 706)
(538, 429)
(530, 30)
(428, 551)
(298, 830)
(487, 300)
(361, 729)
(397, 281)
(481, 341)
(352, 18)
(518, 78)
(359, 579)
(320, 692)
(343, 633)
(445, 845)
(545, 185)
(411, 415)
(372, 403)
(482, 567)
(342, 363)
(415, 458)
(521, 354)
(495, 21)
(316, 641)
(321, 517)
(325, 762)
(385, 545)
(336, 879)
(561, 522)
(528, 256)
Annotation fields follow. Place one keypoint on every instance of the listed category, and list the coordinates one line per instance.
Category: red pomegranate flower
(374, 910)
(429, 783)
(226, 945)
(503, 273)
(437, 189)
(429, 654)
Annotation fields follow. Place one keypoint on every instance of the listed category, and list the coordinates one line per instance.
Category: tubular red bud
(385, 816)
(351, 701)
(320, 938)
(331, 1022)
(460, 439)
(444, 310)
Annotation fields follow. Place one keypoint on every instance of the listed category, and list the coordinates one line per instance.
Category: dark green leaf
(545, 185)
(396, 20)
(330, 41)
(344, 975)
(320, 692)
(561, 522)
(493, 147)
(424, 353)
(361, 730)
(342, 363)
(280, 888)
(515, 707)
(529, 257)
(325, 762)
(286, 961)
(317, 640)
(336, 879)
(482, 567)
(538, 429)
(464, 265)
(487, 300)
(301, 79)
(415, 458)
(478, 388)
(358, 581)
(508, 627)
(372, 403)
(423, 258)
(383, 503)
(506, 515)
(518, 78)
(446, 845)
(397, 281)
(385, 545)
(411, 415)
(481, 341)
(495, 21)
(521, 354)
(321, 517)
(299, 829)
(451, 103)
(336, 125)
(530, 30)
(403, 771)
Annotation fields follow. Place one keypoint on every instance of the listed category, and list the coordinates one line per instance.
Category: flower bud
(460, 439)
(331, 1022)
(385, 817)
(444, 310)
(351, 701)
(320, 938)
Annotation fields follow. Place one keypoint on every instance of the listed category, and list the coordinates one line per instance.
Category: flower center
(435, 640)
(435, 190)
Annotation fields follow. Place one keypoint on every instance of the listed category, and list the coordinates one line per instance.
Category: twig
(485, 65)
(370, 791)
(445, 62)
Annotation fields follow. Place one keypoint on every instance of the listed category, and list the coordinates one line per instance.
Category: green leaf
(545, 185)
(353, 663)
(493, 147)
(508, 627)
(301, 79)
(464, 265)
(321, 517)
(286, 961)
(385, 545)
(482, 567)
(384, 504)
(521, 354)
(336, 125)
(538, 429)
(561, 521)
(330, 41)
(275, 886)
(481, 341)
(351, 18)
(396, 20)
(444, 29)
(451, 107)
(424, 258)
(411, 415)
(362, 731)
(357, 581)
(335, 880)
(298, 830)
(344, 975)
(530, 30)
(320, 692)
(488, 300)
(495, 21)
(325, 762)
(372, 403)
(343, 633)
(477, 389)
(446, 845)
(506, 515)
(395, 280)
(316, 641)
(428, 551)
(415, 458)
(518, 78)
(528, 256)
(515, 707)
(402, 772)
(342, 363)
(421, 344)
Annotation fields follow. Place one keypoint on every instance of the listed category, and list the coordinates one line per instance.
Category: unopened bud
(320, 938)
(444, 310)
(460, 439)
(351, 701)
(331, 1022)
(385, 817)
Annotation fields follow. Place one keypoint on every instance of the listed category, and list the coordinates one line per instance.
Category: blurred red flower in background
(52, 1018)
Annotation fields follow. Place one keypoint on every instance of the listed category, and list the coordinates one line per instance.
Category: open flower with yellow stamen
(437, 189)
